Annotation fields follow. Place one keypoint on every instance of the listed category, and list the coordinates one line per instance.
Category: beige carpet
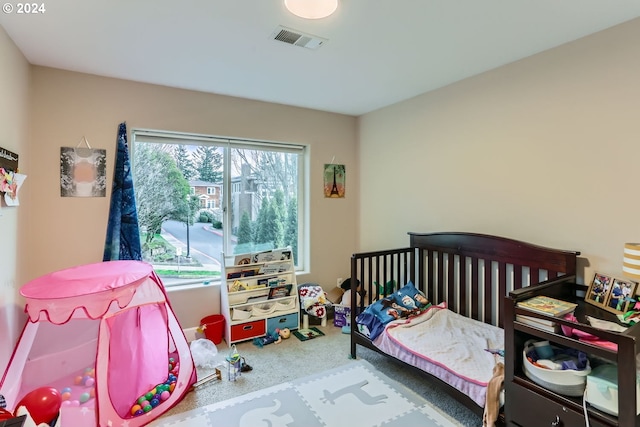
(293, 359)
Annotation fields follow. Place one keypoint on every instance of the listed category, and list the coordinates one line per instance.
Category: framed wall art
(334, 181)
(83, 171)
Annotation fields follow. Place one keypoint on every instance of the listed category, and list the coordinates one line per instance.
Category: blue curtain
(123, 235)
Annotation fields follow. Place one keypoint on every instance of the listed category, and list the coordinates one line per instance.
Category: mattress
(448, 346)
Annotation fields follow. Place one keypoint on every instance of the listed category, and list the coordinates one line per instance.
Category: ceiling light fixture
(311, 9)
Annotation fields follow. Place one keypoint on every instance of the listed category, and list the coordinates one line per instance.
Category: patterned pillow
(408, 301)
(411, 298)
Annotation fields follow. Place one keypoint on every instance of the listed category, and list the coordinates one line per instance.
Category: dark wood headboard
(488, 266)
(438, 263)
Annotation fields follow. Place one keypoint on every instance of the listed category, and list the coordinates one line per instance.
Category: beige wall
(66, 106)
(543, 150)
(14, 127)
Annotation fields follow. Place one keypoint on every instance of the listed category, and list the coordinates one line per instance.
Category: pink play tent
(105, 335)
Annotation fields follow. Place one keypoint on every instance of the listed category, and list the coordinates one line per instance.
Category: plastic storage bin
(602, 389)
(213, 327)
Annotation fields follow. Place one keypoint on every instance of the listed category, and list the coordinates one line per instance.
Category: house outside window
(202, 196)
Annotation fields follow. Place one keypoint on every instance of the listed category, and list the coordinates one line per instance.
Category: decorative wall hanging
(10, 179)
(334, 181)
(83, 171)
(123, 235)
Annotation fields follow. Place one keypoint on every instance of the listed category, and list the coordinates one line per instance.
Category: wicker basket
(566, 382)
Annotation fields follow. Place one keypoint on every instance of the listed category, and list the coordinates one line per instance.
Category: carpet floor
(292, 359)
(353, 394)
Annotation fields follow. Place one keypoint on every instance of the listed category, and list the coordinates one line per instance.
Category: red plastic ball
(42, 403)
(5, 415)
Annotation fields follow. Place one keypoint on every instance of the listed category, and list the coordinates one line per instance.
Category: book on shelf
(275, 268)
(272, 255)
(544, 324)
(242, 259)
(279, 254)
(257, 298)
(280, 291)
(547, 305)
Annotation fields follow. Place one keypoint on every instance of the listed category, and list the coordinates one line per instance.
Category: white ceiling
(378, 52)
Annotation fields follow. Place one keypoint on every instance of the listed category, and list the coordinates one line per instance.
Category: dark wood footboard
(471, 272)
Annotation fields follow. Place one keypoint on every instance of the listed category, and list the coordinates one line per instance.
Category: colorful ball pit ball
(84, 397)
(135, 409)
(165, 395)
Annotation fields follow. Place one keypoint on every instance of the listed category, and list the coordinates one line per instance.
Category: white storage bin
(238, 314)
(285, 305)
(602, 389)
(263, 309)
(567, 382)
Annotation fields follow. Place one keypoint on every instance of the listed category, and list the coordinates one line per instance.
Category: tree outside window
(199, 198)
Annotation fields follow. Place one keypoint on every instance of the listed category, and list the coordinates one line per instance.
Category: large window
(201, 196)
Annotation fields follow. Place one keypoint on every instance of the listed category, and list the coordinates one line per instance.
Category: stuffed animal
(346, 296)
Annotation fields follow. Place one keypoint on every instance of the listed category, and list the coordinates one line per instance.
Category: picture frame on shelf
(622, 295)
(598, 292)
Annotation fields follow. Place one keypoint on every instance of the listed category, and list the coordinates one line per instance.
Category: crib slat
(475, 295)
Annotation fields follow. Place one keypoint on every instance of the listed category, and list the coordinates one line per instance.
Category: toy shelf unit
(259, 294)
(532, 402)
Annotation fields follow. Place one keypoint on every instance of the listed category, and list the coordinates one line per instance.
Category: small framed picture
(622, 295)
(599, 289)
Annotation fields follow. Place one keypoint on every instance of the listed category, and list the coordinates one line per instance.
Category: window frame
(141, 135)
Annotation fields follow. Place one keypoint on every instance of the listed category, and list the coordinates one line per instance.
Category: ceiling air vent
(297, 38)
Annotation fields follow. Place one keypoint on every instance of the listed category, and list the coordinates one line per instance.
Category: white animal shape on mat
(265, 417)
(357, 391)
